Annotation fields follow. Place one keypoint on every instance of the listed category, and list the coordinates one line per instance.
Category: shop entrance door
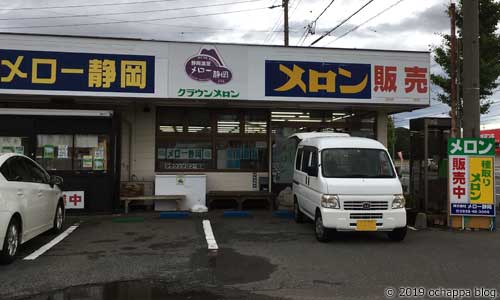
(79, 149)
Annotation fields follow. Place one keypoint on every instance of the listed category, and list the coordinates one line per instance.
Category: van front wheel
(322, 233)
(397, 234)
(298, 215)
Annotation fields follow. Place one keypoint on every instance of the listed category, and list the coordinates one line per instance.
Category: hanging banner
(472, 176)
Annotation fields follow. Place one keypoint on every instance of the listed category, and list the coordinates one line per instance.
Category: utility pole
(453, 67)
(471, 112)
(285, 6)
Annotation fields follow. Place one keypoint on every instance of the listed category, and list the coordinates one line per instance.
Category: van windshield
(356, 163)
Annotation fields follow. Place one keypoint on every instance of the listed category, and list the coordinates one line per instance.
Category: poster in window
(198, 153)
(170, 153)
(162, 153)
(7, 149)
(177, 153)
(191, 154)
(207, 154)
(87, 162)
(184, 153)
(48, 151)
(98, 164)
(19, 149)
(99, 153)
(62, 151)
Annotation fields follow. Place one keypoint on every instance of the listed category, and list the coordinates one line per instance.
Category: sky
(385, 24)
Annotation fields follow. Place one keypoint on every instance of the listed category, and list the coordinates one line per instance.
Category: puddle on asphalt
(228, 267)
(124, 290)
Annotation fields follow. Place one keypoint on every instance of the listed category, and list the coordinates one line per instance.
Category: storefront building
(99, 111)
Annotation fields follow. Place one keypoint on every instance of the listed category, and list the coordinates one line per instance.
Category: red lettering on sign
(75, 199)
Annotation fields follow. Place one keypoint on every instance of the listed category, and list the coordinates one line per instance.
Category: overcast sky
(407, 25)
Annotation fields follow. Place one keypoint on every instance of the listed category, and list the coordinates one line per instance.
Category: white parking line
(52, 243)
(209, 236)
(412, 228)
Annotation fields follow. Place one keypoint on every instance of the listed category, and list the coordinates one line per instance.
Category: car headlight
(330, 201)
(398, 201)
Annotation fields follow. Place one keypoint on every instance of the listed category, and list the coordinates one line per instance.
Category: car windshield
(356, 163)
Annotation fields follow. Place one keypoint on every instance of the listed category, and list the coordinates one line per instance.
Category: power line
(309, 26)
(274, 27)
(129, 12)
(357, 27)
(138, 21)
(341, 23)
(86, 5)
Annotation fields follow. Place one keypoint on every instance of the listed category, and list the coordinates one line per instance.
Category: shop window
(198, 121)
(54, 151)
(171, 121)
(191, 155)
(256, 123)
(242, 155)
(14, 144)
(228, 123)
(91, 152)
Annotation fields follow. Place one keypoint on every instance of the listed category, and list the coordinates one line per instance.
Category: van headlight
(330, 201)
(398, 201)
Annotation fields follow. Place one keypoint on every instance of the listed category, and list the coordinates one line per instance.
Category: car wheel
(58, 219)
(397, 234)
(11, 242)
(298, 215)
(322, 233)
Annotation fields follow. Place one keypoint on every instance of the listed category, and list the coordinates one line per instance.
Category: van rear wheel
(322, 233)
(298, 215)
(397, 234)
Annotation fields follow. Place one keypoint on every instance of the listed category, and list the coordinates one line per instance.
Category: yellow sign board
(481, 180)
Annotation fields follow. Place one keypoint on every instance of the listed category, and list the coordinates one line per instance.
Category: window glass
(14, 144)
(54, 151)
(171, 120)
(242, 155)
(177, 155)
(37, 175)
(14, 169)
(91, 152)
(8, 170)
(198, 121)
(256, 122)
(356, 163)
(314, 159)
(306, 156)
(299, 159)
(228, 123)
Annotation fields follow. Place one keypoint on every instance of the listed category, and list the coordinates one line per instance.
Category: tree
(489, 49)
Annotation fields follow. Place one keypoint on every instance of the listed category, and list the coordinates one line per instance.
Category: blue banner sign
(64, 71)
(470, 209)
(318, 79)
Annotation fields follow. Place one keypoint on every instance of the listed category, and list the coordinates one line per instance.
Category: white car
(348, 184)
(30, 203)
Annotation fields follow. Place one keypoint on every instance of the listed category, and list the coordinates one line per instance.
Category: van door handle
(19, 193)
(40, 194)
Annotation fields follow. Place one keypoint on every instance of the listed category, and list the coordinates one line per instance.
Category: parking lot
(259, 257)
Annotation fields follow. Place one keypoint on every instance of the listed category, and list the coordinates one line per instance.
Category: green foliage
(489, 49)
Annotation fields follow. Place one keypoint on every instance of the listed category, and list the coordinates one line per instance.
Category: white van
(348, 184)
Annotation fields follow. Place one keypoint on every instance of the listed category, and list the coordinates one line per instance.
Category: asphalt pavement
(260, 257)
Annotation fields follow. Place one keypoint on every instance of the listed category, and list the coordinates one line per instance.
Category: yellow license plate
(366, 225)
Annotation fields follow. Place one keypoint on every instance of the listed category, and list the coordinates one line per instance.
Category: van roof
(342, 142)
(307, 135)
